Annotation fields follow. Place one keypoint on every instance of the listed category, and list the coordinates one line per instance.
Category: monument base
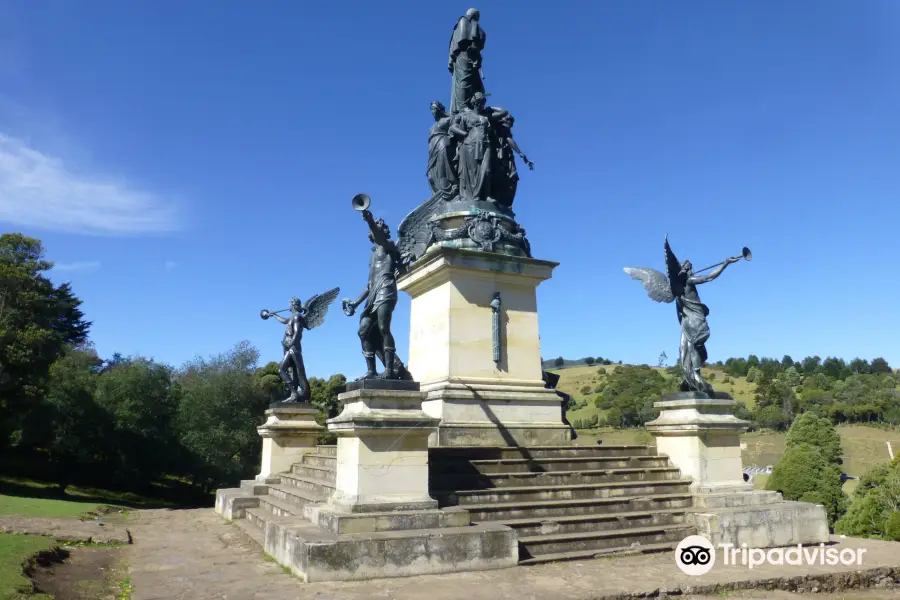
(758, 519)
(474, 345)
(701, 436)
(290, 431)
(479, 413)
(382, 448)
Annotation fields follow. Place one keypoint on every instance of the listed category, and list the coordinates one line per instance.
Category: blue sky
(187, 164)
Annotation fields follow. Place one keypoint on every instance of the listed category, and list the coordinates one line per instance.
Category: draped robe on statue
(694, 329)
(466, 45)
(442, 170)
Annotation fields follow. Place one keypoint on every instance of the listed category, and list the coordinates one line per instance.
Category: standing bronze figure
(380, 297)
(442, 165)
(466, 44)
(681, 286)
(473, 127)
(308, 316)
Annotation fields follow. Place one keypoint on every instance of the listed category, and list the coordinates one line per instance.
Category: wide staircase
(283, 497)
(568, 502)
(564, 502)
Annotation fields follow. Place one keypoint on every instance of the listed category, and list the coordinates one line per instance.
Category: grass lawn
(14, 549)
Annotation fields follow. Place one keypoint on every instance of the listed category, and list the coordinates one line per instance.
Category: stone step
(566, 492)
(530, 547)
(320, 460)
(295, 495)
(592, 554)
(551, 478)
(327, 450)
(497, 511)
(528, 527)
(280, 508)
(322, 473)
(252, 529)
(529, 452)
(534, 465)
(738, 499)
(260, 519)
(317, 486)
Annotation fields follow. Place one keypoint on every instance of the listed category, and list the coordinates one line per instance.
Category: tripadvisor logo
(695, 555)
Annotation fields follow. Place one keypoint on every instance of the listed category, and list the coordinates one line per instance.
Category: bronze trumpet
(360, 202)
(745, 254)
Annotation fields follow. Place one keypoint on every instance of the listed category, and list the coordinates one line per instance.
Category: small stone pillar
(702, 437)
(290, 431)
(382, 448)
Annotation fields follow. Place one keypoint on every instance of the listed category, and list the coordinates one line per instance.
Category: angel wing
(673, 266)
(655, 283)
(414, 231)
(316, 308)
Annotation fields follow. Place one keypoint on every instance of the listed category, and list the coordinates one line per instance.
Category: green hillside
(583, 384)
(864, 446)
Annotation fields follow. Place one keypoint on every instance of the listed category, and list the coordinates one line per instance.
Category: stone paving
(98, 531)
(195, 555)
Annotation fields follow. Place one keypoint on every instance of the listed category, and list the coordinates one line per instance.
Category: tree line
(856, 392)
(71, 417)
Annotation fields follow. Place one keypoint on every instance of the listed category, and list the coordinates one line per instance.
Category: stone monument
(699, 433)
(290, 430)
(467, 264)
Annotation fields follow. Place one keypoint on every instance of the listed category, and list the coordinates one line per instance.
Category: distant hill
(582, 383)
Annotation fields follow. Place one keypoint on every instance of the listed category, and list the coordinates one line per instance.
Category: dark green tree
(142, 400)
(559, 362)
(805, 475)
(876, 504)
(222, 404)
(879, 365)
(38, 322)
(818, 433)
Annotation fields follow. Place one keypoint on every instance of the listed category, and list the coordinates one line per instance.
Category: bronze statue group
(471, 162)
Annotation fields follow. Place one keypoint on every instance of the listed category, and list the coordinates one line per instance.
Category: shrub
(876, 504)
(804, 474)
(586, 389)
(818, 433)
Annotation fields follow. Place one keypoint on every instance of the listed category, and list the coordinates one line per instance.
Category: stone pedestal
(701, 436)
(478, 401)
(290, 431)
(382, 448)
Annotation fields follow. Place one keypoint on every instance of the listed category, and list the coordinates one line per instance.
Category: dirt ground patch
(108, 530)
(90, 573)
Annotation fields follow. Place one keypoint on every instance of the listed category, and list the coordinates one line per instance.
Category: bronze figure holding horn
(681, 286)
(306, 316)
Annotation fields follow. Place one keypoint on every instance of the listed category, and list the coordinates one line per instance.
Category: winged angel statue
(308, 316)
(681, 286)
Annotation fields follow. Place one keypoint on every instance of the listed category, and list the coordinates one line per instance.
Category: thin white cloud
(84, 265)
(37, 190)
(169, 265)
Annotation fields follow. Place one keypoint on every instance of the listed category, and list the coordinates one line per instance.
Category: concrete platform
(195, 554)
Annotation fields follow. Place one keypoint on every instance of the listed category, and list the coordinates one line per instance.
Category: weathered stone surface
(194, 554)
(232, 503)
(97, 531)
(766, 525)
(381, 384)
